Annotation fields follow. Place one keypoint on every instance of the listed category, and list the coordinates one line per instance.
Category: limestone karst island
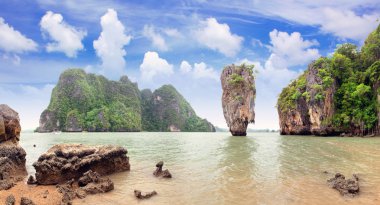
(189, 102)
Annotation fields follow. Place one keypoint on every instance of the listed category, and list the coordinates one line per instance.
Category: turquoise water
(216, 168)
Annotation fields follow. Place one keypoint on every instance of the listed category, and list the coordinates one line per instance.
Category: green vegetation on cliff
(354, 77)
(167, 110)
(82, 101)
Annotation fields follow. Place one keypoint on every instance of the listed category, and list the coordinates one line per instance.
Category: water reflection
(236, 170)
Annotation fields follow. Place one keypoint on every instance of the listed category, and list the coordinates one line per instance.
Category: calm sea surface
(216, 168)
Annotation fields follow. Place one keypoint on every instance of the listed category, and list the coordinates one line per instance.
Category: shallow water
(216, 168)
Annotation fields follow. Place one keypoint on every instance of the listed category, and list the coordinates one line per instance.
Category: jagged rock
(144, 195)
(31, 180)
(70, 161)
(26, 201)
(159, 173)
(238, 99)
(68, 191)
(80, 193)
(346, 187)
(12, 155)
(10, 200)
(92, 183)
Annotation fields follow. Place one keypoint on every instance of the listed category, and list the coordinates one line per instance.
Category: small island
(336, 95)
(87, 102)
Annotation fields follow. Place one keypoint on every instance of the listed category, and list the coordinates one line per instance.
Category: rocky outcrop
(12, 155)
(238, 99)
(89, 183)
(159, 173)
(64, 162)
(86, 102)
(310, 109)
(335, 95)
(346, 187)
(166, 110)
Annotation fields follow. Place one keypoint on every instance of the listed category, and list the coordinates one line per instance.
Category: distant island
(87, 102)
(336, 95)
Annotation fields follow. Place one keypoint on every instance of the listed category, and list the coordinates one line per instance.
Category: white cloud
(172, 32)
(12, 41)
(345, 19)
(157, 40)
(199, 70)
(66, 38)
(185, 67)
(347, 24)
(290, 50)
(110, 44)
(202, 71)
(153, 65)
(218, 37)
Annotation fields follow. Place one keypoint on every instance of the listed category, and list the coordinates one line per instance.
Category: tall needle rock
(238, 99)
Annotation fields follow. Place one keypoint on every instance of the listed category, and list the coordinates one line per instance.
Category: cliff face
(87, 102)
(335, 95)
(167, 110)
(12, 155)
(238, 99)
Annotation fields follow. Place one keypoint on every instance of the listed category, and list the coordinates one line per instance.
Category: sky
(185, 43)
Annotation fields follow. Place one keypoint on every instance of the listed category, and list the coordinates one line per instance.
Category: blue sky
(185, 43)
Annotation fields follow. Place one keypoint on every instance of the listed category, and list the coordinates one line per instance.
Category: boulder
(70, 161)
(238, 99)
(144, 195)
(346, 187)
(9, 125)
(159, 173)
(12, 155)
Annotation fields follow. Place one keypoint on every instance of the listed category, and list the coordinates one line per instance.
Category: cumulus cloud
(66, 38)
(153, 65)
(185, 67)
(109, 46)
(12, 41)
(157, 40)
(290, 50)
(346, 24)
(217, 36)
(199, 70)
